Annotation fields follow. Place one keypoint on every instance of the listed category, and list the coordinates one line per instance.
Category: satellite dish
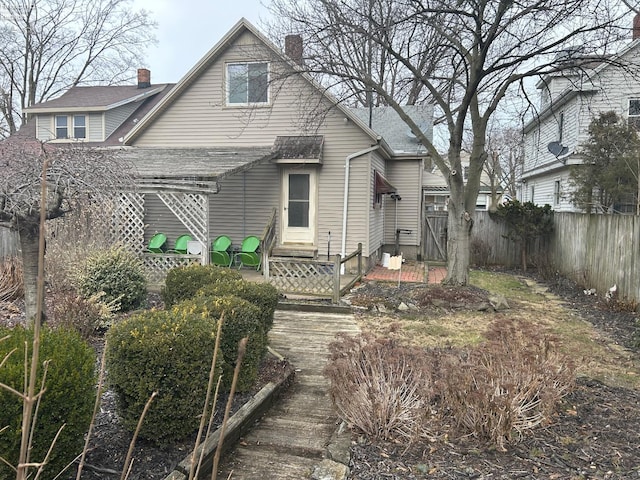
(557, 149)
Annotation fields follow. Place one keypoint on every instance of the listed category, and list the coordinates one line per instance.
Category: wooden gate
(435, 236)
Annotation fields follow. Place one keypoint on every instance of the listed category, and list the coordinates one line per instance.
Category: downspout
(347, 165)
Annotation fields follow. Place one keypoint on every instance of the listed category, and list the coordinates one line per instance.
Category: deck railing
(267, 241)
(316, 278)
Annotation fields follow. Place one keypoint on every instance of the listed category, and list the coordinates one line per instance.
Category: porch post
(207, 230)
(336, 278)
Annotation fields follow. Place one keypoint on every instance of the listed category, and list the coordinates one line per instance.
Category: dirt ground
(595, 434)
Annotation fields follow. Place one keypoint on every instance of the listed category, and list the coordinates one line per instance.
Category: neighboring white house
(568, 103)
(436, 191)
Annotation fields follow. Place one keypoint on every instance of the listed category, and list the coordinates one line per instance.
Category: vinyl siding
(95, 127)
(159, 219)
(245, 202)
(376, 210)
(198, 117)
(117, 116)
(46, 127)
(405, 175)
(616, 86)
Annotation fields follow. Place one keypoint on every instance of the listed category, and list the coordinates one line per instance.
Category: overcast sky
(187, 29)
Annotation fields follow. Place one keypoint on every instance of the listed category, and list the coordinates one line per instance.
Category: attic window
(247, 83)
(62, 130)
(76, 124)
(381, 187)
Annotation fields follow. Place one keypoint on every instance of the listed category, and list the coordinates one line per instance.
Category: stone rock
(382, 309)
(330, 470)
(403, 307)
(499, 302)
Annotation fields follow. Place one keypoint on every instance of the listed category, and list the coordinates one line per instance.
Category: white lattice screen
(191, 210)
(157, 265)
(128, 221)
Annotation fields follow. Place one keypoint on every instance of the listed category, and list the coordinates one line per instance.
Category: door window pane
(299, 200)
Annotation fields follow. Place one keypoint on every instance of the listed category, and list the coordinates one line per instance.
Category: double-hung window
(62, 126)
(247, 83)
(79, 126)
(71, 126)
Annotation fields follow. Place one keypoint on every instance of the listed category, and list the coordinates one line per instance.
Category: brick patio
(415, 272)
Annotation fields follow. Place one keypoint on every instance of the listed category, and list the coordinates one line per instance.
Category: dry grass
(595, 355)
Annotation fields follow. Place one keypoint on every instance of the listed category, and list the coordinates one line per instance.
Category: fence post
(336, 278)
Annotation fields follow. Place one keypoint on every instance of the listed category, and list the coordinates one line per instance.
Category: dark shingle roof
(95, 98)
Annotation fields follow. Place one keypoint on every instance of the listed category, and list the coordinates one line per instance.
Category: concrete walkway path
(297, 438)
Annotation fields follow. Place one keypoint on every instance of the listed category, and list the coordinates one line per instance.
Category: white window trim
(247, 104)
(70, 128)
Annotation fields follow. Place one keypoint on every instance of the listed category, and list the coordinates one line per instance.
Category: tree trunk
(29, 245)
(458, 249)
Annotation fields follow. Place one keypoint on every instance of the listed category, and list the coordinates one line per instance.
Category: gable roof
(95, 98)
(212, 55)
(387, 123)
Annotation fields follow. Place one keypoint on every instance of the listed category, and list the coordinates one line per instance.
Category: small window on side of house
(633, 116)
(247, 83)
(533, 196)
(62, 128)
(561, 127)
(79, 126)
(556, 193)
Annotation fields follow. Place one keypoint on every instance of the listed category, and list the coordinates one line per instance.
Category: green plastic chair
(158, 243)
(219, 251)
(181, 244)
(248, 256)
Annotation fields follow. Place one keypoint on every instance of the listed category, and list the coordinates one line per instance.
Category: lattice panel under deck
(128, 221)
(158, 265)
(300, 276)
(191, 209)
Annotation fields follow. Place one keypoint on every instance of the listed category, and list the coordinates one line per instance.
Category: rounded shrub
(183, 283)
(167, 352)
(241, 319)
(117, 273)
(68, 400)
(262, 295)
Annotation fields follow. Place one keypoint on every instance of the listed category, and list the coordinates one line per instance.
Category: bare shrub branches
(379, 387)
(494, 392)
(74, 172)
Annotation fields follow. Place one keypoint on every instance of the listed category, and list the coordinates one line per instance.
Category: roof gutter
(347, 167)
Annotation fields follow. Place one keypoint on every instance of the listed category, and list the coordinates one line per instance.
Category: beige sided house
(243, 144)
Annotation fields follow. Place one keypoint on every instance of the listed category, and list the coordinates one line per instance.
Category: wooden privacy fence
(301, 276)
(9, 243)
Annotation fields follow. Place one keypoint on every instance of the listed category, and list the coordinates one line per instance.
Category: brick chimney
(636, 26)
(144, 78)
(293, 48)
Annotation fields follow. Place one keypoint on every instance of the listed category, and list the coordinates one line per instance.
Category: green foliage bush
(183, 283)
(262, 295)
(117, 273)
(241, 319)
(167, 352)
(69, 397)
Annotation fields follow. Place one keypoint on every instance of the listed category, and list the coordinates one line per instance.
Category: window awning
(382, 185)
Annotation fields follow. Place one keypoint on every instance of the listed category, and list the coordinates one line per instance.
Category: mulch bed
(595, 435)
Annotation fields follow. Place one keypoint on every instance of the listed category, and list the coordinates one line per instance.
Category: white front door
(298, 206)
